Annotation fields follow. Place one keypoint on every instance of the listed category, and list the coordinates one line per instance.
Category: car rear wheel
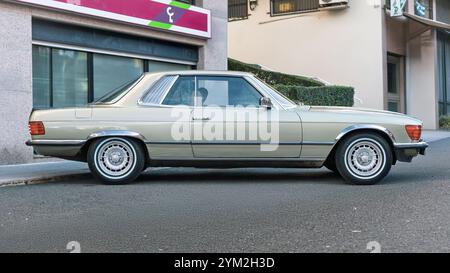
(116, 160)
(331, 165)
(364, 159)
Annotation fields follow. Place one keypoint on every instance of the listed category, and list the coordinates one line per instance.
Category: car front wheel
(116, 160)
(364, 159)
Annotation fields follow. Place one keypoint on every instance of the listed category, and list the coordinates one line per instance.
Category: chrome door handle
(201, 119)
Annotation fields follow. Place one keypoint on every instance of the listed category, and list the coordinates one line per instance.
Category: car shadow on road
(191, 175)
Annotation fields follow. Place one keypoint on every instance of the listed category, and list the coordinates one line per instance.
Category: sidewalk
(12, 175)
(431, 136)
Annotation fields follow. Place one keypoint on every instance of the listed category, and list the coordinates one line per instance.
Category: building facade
(398, 63)
(67, 53)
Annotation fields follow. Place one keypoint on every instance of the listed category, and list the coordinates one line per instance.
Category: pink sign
(162, 14)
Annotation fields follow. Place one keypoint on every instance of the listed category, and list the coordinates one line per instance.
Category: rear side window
(158, 90)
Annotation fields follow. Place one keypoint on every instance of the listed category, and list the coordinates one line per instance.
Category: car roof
(202, 72)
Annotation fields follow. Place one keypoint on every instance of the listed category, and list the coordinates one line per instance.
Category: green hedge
(272, 77)
(323, 95)
(444, 122)
(300, 89)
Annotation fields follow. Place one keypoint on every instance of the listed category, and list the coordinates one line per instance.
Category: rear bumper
(55, 142)
(69, 149)
(406, 152)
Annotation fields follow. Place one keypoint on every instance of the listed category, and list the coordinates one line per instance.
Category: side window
(226, 91)
(182, 92)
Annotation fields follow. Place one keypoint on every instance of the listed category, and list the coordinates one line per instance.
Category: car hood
(355, 110)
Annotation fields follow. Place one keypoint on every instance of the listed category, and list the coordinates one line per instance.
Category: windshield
(280, 98)
(117, 92)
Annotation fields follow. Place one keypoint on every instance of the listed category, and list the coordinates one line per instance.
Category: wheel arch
(115, 133)
(363, 128)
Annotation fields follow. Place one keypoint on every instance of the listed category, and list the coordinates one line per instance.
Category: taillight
(414, 132)
(36, 128)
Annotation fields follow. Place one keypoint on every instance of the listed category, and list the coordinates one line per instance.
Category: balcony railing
(279, 7)
(237, 10)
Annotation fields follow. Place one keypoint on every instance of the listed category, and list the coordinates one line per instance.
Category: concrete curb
(41, 180)
(25, 181)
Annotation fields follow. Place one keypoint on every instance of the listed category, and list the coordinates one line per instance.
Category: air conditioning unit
(328, 3)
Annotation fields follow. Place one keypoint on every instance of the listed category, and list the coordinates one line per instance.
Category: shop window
(41, 77)
(291, 6)
(237, 10)
(154, 66)
(191, 2)
(444, 73)
(68, 78)
(113, 71)
(424, 8)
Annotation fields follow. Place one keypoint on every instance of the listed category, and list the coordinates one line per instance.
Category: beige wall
(340, 46)
(410, 39)
(421, 81)
(396, 32)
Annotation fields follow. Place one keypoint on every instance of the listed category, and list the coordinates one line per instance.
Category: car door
(166, 110)
(228, 122)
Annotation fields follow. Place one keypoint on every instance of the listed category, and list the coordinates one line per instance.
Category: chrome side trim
(243, 143)
(306, 143)
(418, 145)
(116, 133)
(181, 142)
(315, 143)
(54, 142)
(365, 126)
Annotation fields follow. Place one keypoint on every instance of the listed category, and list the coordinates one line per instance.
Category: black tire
(116, 160)
(364, 159)
(331, 165)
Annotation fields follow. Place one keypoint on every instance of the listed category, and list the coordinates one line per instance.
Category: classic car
(208, 119)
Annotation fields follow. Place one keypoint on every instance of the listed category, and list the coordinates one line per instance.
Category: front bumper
(406, 152)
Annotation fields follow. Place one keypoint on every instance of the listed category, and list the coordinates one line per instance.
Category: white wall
(341, 46)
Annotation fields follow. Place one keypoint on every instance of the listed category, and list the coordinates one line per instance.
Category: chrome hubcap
(115, 158)
(365, 158)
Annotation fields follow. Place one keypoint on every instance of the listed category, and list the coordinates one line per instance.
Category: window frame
(249, 80)
(430, 9)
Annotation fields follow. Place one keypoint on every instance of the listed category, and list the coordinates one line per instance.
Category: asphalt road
(249, 210)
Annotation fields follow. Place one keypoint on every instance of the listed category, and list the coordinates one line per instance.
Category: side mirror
(266, 103)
